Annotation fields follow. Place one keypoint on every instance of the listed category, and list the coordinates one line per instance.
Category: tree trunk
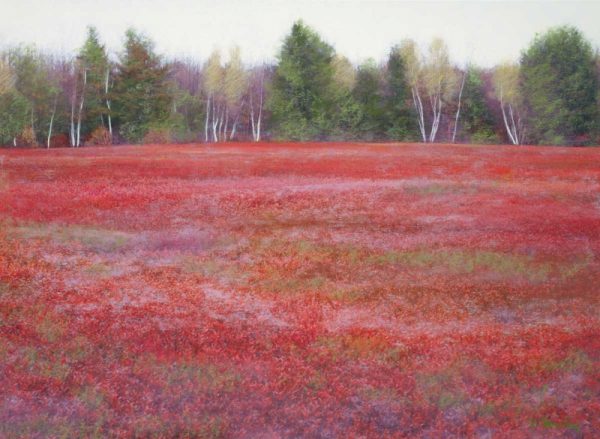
(514, 125)
(419, 107)
(462, 85)
(235, 122)
(207, 118)
(437, 115)
(72, 128)
(220, 125)
(436, 109)
(252, 118)
(506, 124)
(81, 108)
(108, 103)
(215, 122)
(32, 125)
(224, 134)
(51, 123)
(260, 108)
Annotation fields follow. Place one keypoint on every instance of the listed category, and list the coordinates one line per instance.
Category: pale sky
(484, 32)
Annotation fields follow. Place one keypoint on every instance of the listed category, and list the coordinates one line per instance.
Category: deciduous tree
(508, 92)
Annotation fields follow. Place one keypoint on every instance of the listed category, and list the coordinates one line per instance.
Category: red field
(288, 290)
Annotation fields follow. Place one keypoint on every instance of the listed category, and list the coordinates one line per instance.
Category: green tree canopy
(302, 101)
(93, 62)
(368, 93)
(560, 87)
(401, 121)
(141, 95)
(476, 123)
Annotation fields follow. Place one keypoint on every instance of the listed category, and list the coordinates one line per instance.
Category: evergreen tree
(347, 114)
(400, 119)
(368, 94)
(560, 87)
(303, 101)
(93, 65)
(141, 95)
(476, 123)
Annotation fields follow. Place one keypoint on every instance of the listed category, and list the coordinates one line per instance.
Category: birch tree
(439, 80)
(256, 97)
(458, 105)
(213, 85)
(414, 70)
(506, 87)
(235, 85)
(54, 91)
(108, 84)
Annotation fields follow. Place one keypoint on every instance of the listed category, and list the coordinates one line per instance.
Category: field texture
(286, 290)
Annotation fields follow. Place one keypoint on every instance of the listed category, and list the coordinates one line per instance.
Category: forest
(549, 96)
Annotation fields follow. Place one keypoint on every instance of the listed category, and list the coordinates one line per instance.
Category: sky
(482, 32)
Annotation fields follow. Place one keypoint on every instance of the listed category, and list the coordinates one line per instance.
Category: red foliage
(59, 141)
(299, 290)
(100, 136)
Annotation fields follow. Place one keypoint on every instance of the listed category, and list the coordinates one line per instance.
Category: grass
(458, 261)
(95, 239)
(205, 376)
(358, 346)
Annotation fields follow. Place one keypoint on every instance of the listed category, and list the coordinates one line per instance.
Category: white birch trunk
(260, 108)
(207, 119)
(419, 107)
(215, 122)
(506, 124)
(72, 128)
(81, 108)
(252, 125)
(462, 86)
(108, 102)
(220, 125)
(514, 125)
(224, 133)
(51, 123)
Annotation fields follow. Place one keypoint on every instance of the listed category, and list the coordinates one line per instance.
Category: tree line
(550, 96)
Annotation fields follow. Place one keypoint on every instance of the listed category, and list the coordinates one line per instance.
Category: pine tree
(476, 123)
(368, 94)
(141, 95)
(303, 101)
(400, 119)
(93, 68)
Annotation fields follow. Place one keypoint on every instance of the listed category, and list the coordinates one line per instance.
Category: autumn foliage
(299, 290)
